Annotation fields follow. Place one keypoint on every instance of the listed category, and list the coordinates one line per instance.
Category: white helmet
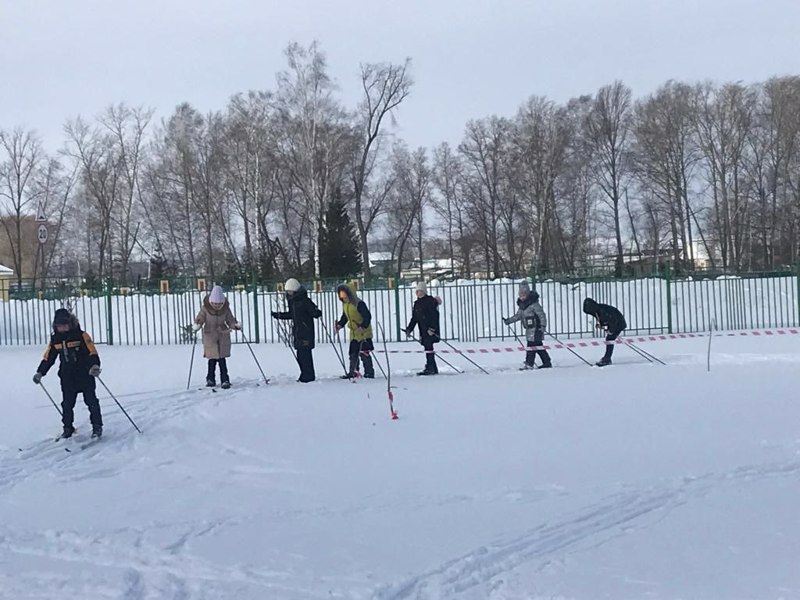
(292, 285)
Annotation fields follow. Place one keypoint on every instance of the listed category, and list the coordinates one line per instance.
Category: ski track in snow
(156, 560)
(593, 526)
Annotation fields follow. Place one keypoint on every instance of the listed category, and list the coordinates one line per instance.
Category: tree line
(292, 181)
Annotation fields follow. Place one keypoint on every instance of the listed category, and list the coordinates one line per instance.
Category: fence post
(109, 312)
(667, 279)
(397, 304)
(797, 274)
(255, 310)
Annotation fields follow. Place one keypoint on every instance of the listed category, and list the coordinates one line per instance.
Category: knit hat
(291, 285)
(421, 287)
(62, 317)
(524, 288)
(217, 296)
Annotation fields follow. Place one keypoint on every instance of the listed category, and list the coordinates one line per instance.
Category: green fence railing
(471, 310)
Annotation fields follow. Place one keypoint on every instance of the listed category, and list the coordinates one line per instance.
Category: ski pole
(341, 351)
(118, 404)
(457, 351)
(644, 354)
(439, 356)
(191, 364)
(249, 347)
(516, 337)
(568, 348)
(377, 362)
(635, 349)
(710, 335)
(388, 377)
(333, 344)
(53, 402)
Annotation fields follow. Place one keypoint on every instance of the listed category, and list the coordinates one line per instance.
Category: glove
(197, 327)
(408, 331)
(95, 371)
(431, 332)
(337, 327)
(507, 321)
(237, 326)
(37, 378)
(274, 314)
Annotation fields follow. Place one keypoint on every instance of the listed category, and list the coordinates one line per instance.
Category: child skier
(425, 314)
(534, 320)
(610, 319)
(79, 365)
(357, 317)
(302, 312)
(216, 320)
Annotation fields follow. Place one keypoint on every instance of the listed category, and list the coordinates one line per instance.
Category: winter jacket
(425, 314)
(76, 353)
(217, 325)
(607, 316)
(533, 318)
(355, 315)
(302, 312)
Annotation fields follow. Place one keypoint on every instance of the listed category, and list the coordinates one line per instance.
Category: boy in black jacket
(302, 312)
(610, 319)
(79, 365)
(425, 314)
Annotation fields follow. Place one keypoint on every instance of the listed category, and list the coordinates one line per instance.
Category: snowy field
(634, 481)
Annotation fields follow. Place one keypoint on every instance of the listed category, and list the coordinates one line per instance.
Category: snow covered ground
(635, 481)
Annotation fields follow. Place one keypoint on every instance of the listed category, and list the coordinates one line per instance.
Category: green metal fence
(471, 310)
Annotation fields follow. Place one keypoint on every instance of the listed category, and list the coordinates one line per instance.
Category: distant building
(5, 275)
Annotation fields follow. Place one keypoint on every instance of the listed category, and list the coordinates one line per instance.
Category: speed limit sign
(42, 234)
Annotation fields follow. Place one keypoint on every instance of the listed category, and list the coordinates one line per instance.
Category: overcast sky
(471, 58)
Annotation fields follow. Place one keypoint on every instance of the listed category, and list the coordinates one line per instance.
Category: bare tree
(723, 118)
(408, 199)
(448, 180)
(607, 128)
(664, 160)
(23, 156)
(314, 132)
(384, 87)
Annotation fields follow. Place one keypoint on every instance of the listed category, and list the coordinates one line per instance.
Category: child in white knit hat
(216, 320)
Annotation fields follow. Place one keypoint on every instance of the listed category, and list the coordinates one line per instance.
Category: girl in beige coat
(216, 320)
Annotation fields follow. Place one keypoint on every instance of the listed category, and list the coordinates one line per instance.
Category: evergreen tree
(338, 245)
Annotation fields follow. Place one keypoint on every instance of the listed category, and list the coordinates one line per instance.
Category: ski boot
(67, 433)
(428, 370)
(603, 362)
(547, 365)
(97, 431)
(526, 366)
(210, 382)
(226, 384)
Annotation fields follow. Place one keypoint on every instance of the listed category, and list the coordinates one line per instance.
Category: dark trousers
(361, 350)
(305, 359)
(69, 396)
(223, 369)
(530, 355)
(430, 356)
(610, 337)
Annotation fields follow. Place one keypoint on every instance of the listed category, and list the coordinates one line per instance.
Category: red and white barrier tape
(594, 343)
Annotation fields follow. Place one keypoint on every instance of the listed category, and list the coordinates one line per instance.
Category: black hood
(590, 306)
(298, 295)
